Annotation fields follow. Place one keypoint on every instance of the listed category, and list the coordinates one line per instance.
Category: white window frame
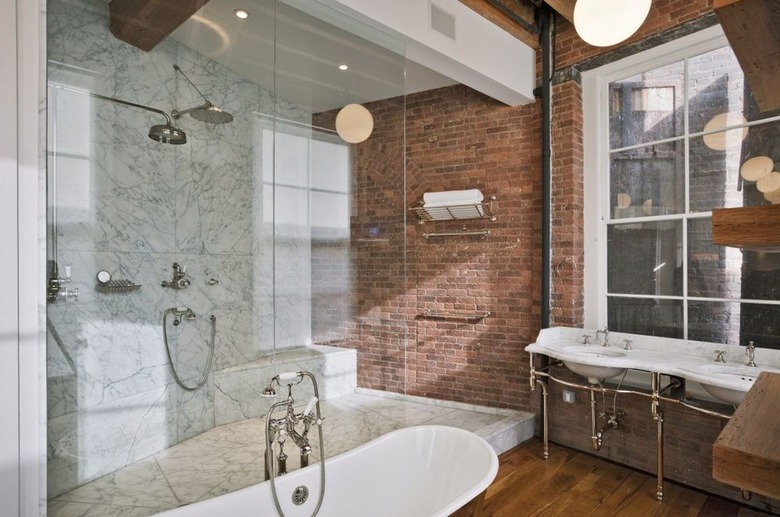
(595, 98)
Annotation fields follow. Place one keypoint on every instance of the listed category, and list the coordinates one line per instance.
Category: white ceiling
(297, 54)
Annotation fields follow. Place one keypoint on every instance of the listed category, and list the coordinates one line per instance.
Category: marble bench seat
(238, 388)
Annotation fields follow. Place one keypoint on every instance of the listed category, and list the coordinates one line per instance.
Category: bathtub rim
(457, 503)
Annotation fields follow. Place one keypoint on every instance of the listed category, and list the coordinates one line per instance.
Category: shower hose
(203, 379)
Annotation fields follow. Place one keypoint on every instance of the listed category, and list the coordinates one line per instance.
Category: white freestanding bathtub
(416, 471)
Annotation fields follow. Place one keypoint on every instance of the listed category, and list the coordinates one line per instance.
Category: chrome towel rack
(455, 315)
(483, 233)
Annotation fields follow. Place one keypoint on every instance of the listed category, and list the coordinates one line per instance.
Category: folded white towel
(452, 197)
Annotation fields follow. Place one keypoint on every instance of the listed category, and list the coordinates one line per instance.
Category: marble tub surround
(693, 360)
(229, 457)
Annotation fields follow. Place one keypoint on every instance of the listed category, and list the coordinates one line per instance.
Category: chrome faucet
(719, 356)
(604, 331)
(279, 429)
(750, 352)
(179, 278)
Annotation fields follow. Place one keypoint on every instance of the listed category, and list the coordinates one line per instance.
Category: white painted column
(20, 375)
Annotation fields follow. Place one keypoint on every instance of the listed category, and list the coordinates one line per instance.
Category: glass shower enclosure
(182, 274)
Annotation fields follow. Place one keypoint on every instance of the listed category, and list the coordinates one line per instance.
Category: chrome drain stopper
(300, 495)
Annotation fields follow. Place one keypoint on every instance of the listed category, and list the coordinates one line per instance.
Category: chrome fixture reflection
(180, 314)
(163, 133)
(56, 292)
(750, 352)
(206, 112)
(277, 430)
(179, 278)
(605, 333)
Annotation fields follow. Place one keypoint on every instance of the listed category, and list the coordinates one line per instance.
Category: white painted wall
(20, 438)
(482, 56)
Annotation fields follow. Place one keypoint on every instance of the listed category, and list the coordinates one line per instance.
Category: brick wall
(664, 14)
(456, 138)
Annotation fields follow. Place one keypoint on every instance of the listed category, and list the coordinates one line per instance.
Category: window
(670, 130)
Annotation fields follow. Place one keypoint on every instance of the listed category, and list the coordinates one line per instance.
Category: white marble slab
(692, 360)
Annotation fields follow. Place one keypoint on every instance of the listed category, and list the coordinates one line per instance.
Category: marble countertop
(692, 360)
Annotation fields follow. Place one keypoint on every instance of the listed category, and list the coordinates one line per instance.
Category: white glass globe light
(602, 23)
(756, 168)
(354, 123)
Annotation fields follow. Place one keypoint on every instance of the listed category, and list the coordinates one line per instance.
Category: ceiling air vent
(442, 21)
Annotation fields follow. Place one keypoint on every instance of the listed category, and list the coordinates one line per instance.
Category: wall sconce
(354, 123)
(603, 23)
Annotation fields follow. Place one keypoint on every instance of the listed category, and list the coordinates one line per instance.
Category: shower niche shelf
(117, 286)
(454, 212)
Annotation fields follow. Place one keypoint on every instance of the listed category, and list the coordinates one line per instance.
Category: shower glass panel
(263, 242)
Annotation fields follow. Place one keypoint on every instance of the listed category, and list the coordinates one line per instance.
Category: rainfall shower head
(164, 133)
(167, 134)
(206, 112)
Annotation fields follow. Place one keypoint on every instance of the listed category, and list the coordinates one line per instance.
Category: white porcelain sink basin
(744, 375)
(591, 365)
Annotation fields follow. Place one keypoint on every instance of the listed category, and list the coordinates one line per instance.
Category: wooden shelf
(754, 228)
(751, 28)
(746, 454)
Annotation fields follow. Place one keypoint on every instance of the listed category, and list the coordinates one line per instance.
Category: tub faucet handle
(627, 344)
(719, 356)
(586, 339)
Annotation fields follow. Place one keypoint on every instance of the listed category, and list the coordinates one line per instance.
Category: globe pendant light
(354, 123)
(603, 23)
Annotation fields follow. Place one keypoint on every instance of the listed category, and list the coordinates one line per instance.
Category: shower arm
(176, 114)
(134, 105)
(178, 69)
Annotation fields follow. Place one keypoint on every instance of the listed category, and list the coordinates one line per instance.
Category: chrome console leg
(658, 416)
(545, 420)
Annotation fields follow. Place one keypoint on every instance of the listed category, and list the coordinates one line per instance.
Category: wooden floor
(574, 484)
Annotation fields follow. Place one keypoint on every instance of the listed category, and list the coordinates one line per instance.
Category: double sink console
(726, 372)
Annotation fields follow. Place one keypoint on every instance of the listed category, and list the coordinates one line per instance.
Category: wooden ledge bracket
(145, 23)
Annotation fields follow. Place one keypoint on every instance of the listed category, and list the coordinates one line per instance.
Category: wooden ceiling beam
(751, 28)
(563, 7)
(145, 23)
(495, 15)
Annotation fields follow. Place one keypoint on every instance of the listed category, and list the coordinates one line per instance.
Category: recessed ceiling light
(241, 13)
(343, 67)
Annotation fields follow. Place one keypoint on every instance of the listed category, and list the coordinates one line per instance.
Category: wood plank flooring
(574, 484)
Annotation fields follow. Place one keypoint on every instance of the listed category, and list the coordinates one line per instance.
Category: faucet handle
(719, 356)
(627, 344)
(586, 339)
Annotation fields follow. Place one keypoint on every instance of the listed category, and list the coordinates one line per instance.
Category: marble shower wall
(133, 207)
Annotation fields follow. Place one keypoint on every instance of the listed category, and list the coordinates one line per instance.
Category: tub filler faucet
(296, 427)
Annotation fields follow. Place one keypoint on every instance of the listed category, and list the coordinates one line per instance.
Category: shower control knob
(182, 283)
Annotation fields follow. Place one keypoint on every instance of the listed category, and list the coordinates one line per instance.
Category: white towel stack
(452, 198)
(453, 204)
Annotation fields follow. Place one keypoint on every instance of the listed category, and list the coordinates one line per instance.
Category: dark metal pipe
(546, 17)
(546, 95)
